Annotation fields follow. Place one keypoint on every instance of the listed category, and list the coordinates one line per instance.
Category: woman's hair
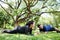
(30, 22)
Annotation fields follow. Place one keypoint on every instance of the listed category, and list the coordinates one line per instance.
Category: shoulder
(26, 26)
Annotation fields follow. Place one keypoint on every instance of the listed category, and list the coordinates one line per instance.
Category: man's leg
(57, 30)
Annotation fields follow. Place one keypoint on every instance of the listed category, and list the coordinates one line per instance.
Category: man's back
(46, 28)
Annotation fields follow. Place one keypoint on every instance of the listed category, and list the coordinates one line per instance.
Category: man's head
(31, 24)
(40, 26)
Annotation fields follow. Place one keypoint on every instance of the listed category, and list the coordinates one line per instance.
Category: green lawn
(42, 36)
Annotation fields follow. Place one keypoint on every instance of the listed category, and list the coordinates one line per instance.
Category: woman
(27, 29)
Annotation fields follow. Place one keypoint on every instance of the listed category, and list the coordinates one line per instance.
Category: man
(27, 29)
(47, 28)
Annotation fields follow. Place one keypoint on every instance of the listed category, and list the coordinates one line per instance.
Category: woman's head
(31, 23)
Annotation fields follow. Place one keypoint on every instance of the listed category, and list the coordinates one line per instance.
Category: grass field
(42, 36)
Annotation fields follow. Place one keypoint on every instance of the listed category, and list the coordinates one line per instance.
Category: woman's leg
(10, 31)
(15, 30)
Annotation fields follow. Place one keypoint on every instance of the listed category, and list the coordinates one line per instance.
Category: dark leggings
(54, 29)
(15, 30)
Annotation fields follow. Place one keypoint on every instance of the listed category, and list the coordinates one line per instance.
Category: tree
(25, 13)
(12, 10)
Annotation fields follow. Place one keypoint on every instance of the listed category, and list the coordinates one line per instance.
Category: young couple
(27, 29)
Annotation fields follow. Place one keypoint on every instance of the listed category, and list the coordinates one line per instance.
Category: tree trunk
(16, 23)
(4, 25)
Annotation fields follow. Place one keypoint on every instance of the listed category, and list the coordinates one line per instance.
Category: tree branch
(34, 4)
(25, 2)
(19, 15)
(7, 11)
(24, 19)
(7, 4)
(39, 14)
(19, 3)
(28, 6)
(51, 5)
(44, 4)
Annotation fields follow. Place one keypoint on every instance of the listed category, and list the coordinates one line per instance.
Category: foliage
(4, 18)
(25, 10)
(18, 11)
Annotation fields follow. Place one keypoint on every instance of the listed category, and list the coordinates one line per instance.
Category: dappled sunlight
(18, 17)
(46, 18)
